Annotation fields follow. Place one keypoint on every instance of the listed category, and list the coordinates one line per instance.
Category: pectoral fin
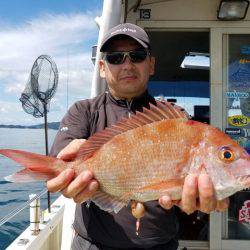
(109, 203)
(173, 188)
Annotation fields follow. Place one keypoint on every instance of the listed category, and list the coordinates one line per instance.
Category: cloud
(9, 111)
(51, 34)
(67, 38)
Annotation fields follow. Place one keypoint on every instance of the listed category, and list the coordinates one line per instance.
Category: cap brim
(105, 43)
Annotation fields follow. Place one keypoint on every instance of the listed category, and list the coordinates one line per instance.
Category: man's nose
(127, 63)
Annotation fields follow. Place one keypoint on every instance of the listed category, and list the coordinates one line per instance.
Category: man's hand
(194, 187)
(80, 187)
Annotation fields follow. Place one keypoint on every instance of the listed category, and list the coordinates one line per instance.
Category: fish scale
(136, 171)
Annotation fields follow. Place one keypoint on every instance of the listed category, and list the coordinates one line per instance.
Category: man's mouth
(129, 77)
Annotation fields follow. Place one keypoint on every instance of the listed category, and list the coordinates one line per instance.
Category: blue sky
(63, 29)
(15, 11)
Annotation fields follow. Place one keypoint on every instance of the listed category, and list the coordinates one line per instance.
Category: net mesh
(41, 86)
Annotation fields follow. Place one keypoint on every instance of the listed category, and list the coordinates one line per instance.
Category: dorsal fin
(163, 110)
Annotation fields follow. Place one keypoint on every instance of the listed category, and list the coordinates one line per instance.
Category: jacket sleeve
(74, 125)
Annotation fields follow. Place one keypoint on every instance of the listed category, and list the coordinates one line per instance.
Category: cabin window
(182, 70)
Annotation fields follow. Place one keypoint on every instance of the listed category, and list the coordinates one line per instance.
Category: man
(126, 65)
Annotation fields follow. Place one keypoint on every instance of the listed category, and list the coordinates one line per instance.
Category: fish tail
(36, 166)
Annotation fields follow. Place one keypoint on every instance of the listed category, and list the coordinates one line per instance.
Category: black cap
(126, 29)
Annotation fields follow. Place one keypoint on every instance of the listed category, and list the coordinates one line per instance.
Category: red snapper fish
(146, 156)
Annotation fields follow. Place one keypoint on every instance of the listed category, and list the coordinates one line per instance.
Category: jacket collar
(136, 103)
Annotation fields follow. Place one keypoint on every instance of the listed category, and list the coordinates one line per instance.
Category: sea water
(12, 195)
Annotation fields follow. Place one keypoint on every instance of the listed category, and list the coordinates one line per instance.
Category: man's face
(128, 79)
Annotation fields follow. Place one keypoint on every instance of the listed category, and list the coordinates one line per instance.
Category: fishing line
(20, 208)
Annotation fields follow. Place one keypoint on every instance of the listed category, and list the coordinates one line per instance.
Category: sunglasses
(118, 57)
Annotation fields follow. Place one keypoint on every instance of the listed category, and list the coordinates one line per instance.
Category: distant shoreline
(51, 125)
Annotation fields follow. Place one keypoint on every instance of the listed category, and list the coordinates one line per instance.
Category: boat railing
(16, 211)
(47, 228)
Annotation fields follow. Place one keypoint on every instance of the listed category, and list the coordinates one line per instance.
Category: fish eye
(226, 154)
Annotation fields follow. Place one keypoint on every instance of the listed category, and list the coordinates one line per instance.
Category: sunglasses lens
(138, 56)
(115, 58)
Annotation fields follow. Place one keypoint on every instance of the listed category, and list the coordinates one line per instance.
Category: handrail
(20, 208)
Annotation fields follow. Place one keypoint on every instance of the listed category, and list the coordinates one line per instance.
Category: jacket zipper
(129, 105)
